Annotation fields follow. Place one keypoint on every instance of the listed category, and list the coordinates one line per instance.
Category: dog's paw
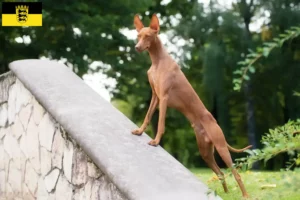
(153, 143)
(137, 132)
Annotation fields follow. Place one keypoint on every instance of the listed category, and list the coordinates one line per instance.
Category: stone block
(11, 103)
(32, 145)
(68, 160)
(45, 161)
(42, 193)
(79, 194)
(9, 193)
(63, 189)
(31, 178)
(80, 168)
(3, 114)
(11, 146)
(2, 183)
(38, 112)
(15, 178)
(93, 170)
(6, 163)
(6, 80)
(51, 179)
(46, 131)
(24, 115)
(17, 128)
(2, 157)
(88, 188)
(57, 149)
(23, 95)
(95, 191)
(2, 132)
(26, 193)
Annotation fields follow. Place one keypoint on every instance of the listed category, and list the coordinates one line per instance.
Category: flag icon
(21, 13)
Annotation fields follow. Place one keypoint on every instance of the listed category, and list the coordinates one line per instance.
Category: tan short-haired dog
(170, 88)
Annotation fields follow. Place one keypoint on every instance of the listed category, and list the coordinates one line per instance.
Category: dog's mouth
(141, 50)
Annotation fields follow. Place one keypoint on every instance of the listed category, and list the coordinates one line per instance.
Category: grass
(278, 185)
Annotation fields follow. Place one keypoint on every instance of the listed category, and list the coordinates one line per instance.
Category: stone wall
(38, 159)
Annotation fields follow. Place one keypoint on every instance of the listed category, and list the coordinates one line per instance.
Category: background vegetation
(215, 46)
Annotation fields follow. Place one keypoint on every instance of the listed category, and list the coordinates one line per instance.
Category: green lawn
(282, 185)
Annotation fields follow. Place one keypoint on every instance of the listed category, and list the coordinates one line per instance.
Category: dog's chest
(154, 77)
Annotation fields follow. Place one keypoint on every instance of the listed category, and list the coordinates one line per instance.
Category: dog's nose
(137, 48)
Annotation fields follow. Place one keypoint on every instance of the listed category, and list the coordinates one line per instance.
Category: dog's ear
(138, 23)
(154, 24)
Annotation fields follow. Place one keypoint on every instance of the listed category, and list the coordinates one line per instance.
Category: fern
(247, 65)
(281, 139)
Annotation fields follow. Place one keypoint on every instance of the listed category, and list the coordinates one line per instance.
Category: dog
(170, 88)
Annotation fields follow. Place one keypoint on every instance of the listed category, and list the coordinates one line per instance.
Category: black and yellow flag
(21, 13)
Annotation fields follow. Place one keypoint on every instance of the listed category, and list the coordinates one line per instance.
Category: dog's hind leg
(216, 136)
(225, 155)
(206, 149)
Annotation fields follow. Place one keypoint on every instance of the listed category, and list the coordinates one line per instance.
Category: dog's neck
(157, 51)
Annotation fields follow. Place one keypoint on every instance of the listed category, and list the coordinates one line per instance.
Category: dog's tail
(238, 150)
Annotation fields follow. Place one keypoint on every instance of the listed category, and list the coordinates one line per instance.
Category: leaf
(244, 167)
(237, 72)
(251, 69)
(249, 151)
(268, 186)
(246, 77)
(266, 52)
(241, 63)
(237, 88)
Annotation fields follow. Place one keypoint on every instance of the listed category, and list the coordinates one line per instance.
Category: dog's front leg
(151, 109)
(161, 121)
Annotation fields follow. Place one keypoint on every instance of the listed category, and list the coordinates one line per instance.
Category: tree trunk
(251, 125)
(247, 13)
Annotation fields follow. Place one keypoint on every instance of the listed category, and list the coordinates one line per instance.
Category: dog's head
(146, 35)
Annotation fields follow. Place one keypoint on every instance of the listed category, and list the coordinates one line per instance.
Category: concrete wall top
(140, 171)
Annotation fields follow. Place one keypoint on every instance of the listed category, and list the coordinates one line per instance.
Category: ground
(260, 185)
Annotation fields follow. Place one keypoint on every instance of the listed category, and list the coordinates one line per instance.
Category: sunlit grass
(278, 185)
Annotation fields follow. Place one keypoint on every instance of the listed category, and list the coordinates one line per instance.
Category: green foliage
(249, 63)
(261, 185)
(283, 139)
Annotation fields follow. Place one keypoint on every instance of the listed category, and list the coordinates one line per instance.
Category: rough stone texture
(2, 164)
(32, 141)
(23, 96)
(45, 161)
(2, 182)
(2, 132)
(11, 104)
(17, 128)
(46, 131)
(42, 193)
(38, 158)
(26, 193)
(38, 111)
(93, 170)
(98, 134)
(51, 179)
(57, 149)
(68, 160)
(14, 178)
(6, 80)
(31, 178)
(3, 114)
(80, 168)
(24, 115)
(11, 146)
(63, 189)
